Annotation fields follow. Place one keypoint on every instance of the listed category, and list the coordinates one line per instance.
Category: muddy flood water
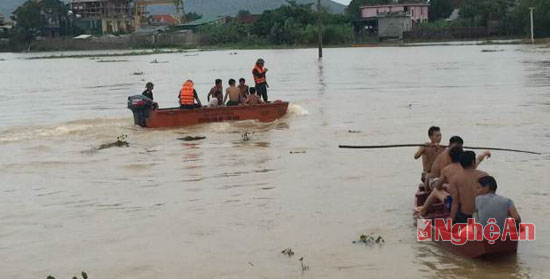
(225, 208)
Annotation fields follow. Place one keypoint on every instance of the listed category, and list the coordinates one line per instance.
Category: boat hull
(176, 117)
(471, 248)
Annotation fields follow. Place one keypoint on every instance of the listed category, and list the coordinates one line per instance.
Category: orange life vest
(187, 96)
(258, 80)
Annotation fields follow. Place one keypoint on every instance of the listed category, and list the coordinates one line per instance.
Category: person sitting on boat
(442, 160)
(430, 151)
(463, 188)
(233, 94)
(439, 193)
(490, 205)
(258, 72)
(149, 94)
(216, 92)
(243, 88)
(253, 98)
(188, 95)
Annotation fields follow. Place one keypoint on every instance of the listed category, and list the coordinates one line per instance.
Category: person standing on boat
(148, 90)
(216, 92)
(463, 188)
(233, 94)
(490, 205)
(430, 151)
(258, 72)
(188, 95)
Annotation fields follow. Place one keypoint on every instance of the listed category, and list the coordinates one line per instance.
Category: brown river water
(226, 208)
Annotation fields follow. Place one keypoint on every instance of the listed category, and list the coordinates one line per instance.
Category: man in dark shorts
(233, 94)
(463, 188)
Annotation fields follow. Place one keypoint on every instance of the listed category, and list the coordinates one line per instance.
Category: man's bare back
(442, 160)
(463, 189)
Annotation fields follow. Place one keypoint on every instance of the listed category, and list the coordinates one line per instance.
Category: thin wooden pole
(320, 28)
(532, 26)
(419, 145)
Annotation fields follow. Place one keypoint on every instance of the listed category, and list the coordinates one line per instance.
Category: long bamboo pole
(419, 145)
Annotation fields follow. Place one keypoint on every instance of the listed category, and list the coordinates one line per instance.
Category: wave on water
(83, 126)
(297, 110)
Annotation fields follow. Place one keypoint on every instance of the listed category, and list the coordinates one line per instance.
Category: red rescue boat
(471, 248)
(147, 115)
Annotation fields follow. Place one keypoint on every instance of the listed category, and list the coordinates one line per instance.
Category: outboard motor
(141, 106)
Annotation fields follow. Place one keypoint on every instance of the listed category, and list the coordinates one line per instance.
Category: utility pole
(532, 26)
(320, 29)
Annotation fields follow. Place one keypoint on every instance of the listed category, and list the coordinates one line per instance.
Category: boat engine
(141, 106)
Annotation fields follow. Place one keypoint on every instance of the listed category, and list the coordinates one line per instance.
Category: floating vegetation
(354, 131)
(121, 141)
(492, 50)
(304, 267)
(370, 239)
(245, 136)
(297, 152)
(138, 73)
(95, 56)
(83, 274)
(288, 252)
(190, 138)
(158, 62)
(112, 61)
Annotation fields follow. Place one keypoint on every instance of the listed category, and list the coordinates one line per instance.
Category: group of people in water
(451, 176)
(235, 95)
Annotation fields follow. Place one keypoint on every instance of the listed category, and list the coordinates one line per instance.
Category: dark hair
(149, 84)
(241, 79)
(432, 130)
(231, 82)
(456, 140)
(467, 159)
(218, 81)
(455, 153)
(488, 181)
(252, 90)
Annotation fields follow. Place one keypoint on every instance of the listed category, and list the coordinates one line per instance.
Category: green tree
(192, 16)
(243, 13)
(520, 17)
(440, 9)
(480, 11)
(34, 16)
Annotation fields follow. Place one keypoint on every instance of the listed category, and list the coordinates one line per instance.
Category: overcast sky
(345, 2)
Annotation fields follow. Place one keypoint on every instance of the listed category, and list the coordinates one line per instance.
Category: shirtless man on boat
(233, 94)
(463, 188)
(439, 193)
(430, 151)
(443, 159)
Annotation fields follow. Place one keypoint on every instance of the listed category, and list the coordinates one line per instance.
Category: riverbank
(106, 53)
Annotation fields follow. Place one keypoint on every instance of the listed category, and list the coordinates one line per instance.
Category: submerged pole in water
(532, 26)
(320, 28)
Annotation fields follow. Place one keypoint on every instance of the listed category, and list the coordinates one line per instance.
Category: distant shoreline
(184, 49)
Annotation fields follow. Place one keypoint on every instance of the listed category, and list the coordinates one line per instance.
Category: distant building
(197, 24)
(2, 20)
(102, 16)
(390, 21)
(163, 20)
